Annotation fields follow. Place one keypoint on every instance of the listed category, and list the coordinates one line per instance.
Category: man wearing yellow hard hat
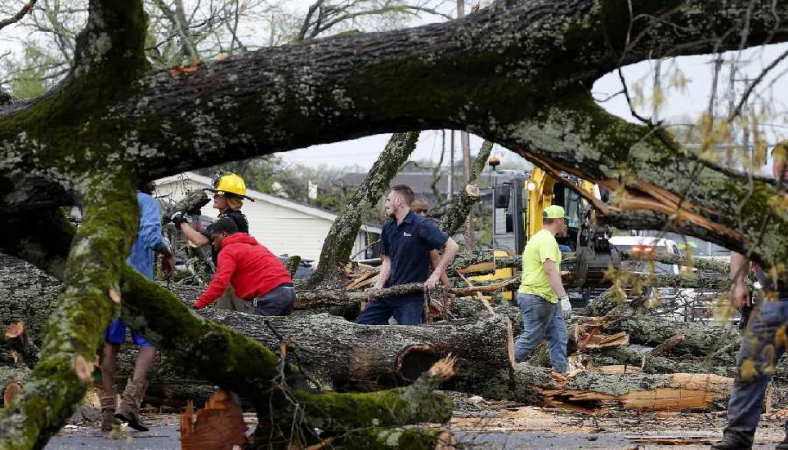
(229, 190)
(541, 297)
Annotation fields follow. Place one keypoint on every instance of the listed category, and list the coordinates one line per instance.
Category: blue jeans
(759, 346)
(542, 319)
(278, 301)
(406, 311)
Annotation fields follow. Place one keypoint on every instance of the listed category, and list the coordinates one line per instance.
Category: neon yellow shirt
(539, 249)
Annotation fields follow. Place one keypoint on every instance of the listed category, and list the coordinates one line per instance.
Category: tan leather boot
(108, 412)
(129, 410)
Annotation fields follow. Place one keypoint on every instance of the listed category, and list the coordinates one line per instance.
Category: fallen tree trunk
(699, 339)
(363, 357)
(591, 391)
(722, 365)
(353, 357)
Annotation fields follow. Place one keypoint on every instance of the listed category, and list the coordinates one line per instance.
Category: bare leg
(143, 364)
(108, 368)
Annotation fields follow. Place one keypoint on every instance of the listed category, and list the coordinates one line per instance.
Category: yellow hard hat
(229, 183)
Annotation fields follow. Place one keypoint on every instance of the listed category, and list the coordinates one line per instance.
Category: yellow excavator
(519, 199)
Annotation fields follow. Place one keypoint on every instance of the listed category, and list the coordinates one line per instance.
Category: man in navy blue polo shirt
(406, 243)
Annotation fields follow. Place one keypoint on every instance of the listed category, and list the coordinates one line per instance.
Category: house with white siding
(282, 225)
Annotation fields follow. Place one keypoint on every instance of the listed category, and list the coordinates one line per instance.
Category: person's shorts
(116, 334)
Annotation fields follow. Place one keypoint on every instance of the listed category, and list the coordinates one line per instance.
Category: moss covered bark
(93, 269)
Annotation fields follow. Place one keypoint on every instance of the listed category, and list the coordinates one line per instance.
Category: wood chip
(15, 330)
(10, 392)
(114, 295)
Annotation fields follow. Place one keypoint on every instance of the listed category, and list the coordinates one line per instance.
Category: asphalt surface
(167, 437)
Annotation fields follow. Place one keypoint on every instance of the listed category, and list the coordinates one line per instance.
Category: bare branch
(18, 16)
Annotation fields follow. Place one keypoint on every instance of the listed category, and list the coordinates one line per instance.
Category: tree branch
(18, 16)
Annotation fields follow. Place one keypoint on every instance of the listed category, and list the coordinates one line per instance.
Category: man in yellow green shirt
(542, 298)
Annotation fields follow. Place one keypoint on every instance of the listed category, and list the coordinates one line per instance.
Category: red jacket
(248, 266)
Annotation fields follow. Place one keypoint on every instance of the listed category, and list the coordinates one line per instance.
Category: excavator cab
(521, 197)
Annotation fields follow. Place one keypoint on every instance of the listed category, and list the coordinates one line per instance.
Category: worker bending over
(405, 247)
(257, 275)
(540, 291)
(229, 190)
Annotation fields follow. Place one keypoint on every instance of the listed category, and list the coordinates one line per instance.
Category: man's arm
(450, 250)
(194, 236)
(740, 293)
(435, 258)
(385, 272)
(220, 280)
(554, 277)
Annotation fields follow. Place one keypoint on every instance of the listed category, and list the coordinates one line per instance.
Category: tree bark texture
(347, 93)
(364, 357)
(501, 73)
(340, 239)
(457, 214)
(591, 391)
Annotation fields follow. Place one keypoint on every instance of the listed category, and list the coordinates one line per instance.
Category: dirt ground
(479, 424)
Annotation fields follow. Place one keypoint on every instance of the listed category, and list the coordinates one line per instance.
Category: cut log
(592, 391)
(699, 339)
(723, 364)
(364, 357)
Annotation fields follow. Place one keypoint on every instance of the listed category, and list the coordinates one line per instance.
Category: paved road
(167, 437)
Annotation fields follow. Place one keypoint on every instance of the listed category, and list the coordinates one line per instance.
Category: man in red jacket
(255, 273)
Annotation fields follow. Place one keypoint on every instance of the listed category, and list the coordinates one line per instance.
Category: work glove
(566, 307)
(178, 218)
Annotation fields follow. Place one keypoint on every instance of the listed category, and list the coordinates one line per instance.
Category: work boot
(735, 440)
(129, 410)
(784, 444)
(108, 412)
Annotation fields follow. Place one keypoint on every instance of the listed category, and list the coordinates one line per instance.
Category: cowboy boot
(129, 410)
(108, 419)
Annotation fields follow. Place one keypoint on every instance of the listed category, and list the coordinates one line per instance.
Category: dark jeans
(759, 353)
(407, 311)
(277, 302)
(542, 319)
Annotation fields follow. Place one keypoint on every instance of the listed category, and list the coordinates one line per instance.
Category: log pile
(622, 357)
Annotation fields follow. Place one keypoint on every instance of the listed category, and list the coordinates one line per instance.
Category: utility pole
(465, 142)
(451, 166)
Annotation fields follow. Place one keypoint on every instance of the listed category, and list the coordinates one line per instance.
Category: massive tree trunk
(347, 356)
(503, 73)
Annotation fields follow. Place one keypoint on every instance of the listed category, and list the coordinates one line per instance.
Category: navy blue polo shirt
(408, 245)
